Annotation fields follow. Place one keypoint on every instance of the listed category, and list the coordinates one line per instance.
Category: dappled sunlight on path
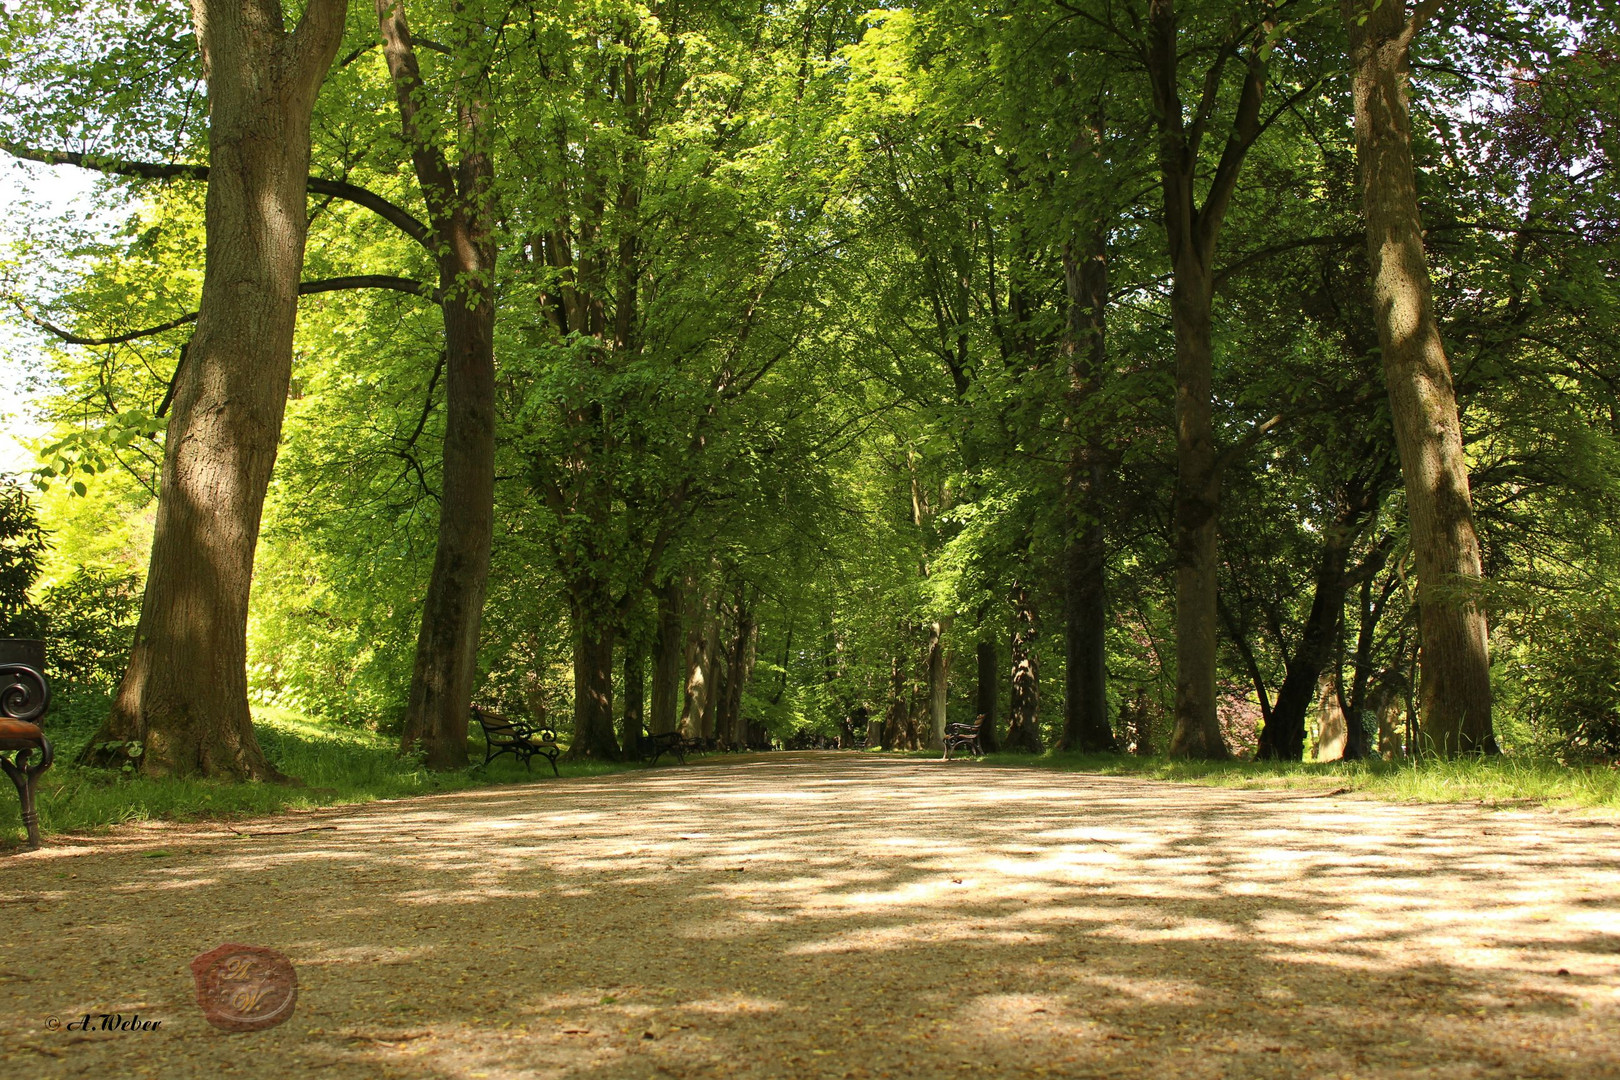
(840, 915)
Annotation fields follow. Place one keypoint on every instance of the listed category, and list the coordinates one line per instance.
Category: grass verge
(1491, 781)
(334, 764)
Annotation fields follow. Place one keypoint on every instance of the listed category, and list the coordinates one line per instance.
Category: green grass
(1492, 781)
(333, 764)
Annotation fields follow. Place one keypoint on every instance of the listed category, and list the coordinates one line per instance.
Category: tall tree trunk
(696, 686)
(1023, 713)
(1455, 685)
(1387, 699)
(894, 717)
(1331, 727)
(635, 690)
(445, 673)
(183, 697)
(740, 667)
(1283, 737)
(1085, 599)
(937, 683)
(714, 673)
(917, 715)
(1196, 512)
(1192, 231)
(593, 685)
(666, 682)
(987, 694)
(729, 722)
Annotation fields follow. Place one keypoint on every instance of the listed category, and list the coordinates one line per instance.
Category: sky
(58, 189)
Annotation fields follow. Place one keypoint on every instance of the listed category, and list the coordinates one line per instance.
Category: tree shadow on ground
(835, 915)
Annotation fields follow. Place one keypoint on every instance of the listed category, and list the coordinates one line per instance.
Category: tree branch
(307, 288)
(397, 216)
(1246, 261)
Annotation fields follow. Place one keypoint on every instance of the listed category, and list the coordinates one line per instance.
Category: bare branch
(147, 170)
(307, 288)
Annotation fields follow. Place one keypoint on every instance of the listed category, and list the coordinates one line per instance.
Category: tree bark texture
(183, 697)
(696, 682)
(730, 722)
(1454, 687)
(1023, 712)
(1387, 701)
(987, 693)
(1332, 729)
(635, 693)
(1197, 732)
(593, 686)
(938, 688)
(1192, 231)
(1085, 597)
(894, 716)
(714, 673)
(667, 648)
(459, 204)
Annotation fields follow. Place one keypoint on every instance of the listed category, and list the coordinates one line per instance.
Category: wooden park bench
(963, 736)
(519, 738)
(651, 747)
(24, 696)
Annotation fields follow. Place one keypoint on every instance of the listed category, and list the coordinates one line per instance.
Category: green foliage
(784, 317)
(22, 552)
(90, 625)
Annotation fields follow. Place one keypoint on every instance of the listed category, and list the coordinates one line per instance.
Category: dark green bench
(519, 738)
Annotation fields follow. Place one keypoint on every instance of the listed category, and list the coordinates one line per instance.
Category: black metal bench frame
(522, 740)
(697, 746)
(24, 696)
(652, 747)
(963, 736)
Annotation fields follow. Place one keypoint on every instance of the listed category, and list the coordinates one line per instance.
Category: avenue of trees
(1201, 377)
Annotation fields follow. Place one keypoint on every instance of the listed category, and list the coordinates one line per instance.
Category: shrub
(22, 547)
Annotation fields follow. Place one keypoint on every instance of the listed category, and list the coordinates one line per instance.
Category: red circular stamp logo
(245, 987)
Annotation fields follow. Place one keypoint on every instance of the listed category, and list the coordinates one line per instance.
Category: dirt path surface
(826, 915)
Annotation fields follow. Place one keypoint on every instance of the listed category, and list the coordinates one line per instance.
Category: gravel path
(833, 915)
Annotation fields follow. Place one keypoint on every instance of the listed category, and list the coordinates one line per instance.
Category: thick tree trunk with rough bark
(635, 691)
(729, 720)
(1023, 712)
(1455, 686)
(1331, 727)
(1195, 516)
(593, 686)
(667, 647)
(459, 207)
(894, 715)
(1085, 598)
(1085, 711)
(1387, 700)
(988, 691)
(183, 697)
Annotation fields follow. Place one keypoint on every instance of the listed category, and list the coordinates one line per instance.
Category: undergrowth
(1494, 780)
